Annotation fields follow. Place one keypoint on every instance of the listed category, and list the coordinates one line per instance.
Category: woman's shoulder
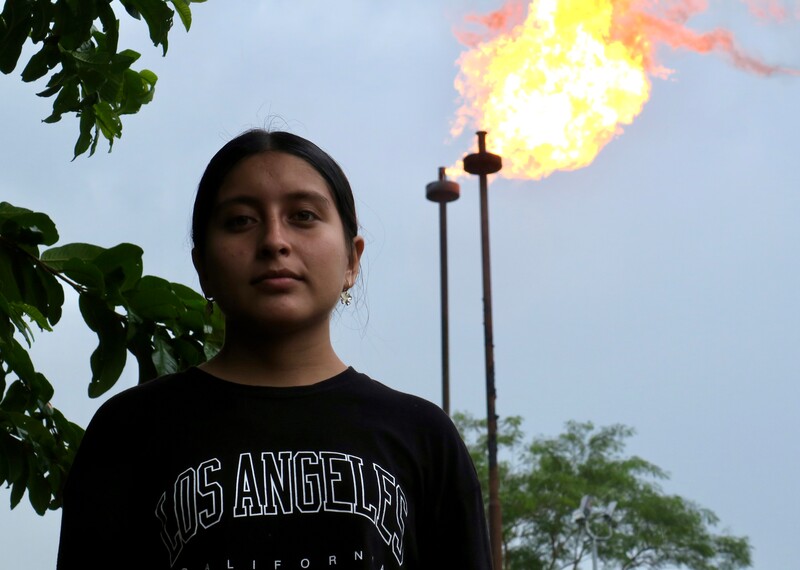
(382, 391)
(144, 398)
(394, 402)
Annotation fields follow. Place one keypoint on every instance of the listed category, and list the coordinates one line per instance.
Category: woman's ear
(355, 261)
(199, 266)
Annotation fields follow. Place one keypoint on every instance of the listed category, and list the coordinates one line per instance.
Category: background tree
(165, 326)
(543, 482)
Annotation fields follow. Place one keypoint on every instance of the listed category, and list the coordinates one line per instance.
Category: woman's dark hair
(257, 141)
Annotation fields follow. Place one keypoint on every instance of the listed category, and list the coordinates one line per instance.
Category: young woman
(274, 454)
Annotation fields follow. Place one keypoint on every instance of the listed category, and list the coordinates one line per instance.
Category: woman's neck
(282, 361)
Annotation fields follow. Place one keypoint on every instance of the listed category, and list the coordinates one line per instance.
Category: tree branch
(58, 275)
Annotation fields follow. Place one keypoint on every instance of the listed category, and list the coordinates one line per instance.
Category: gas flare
(555, 86)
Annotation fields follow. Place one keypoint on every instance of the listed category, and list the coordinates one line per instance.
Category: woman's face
(276, 257)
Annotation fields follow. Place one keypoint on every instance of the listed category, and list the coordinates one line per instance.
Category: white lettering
(277, 482)
(361, 507)
(210, 491)
(308, 482)
(172, 540)
(185, 504)
(401, 515)
(385, 491)
(284, 482)
(334, 477)
(248, 501)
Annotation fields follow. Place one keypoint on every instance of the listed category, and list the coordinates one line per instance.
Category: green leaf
(42, 13)
(159, 305)
(121, 265)
(73, 23)
(67, 101)
(41, 388)
(50, 91)
(152, 282)
(85, 138)
(88, 55)
(17, 398)
(15, 454)
(131, 9)
(110, 25)
(92, 81)
(17, 25)
(14, 315)
(3, 452)
(84, 273)
(137, 90)
(56, 257)
(140, 344)
(17, 491)
(34, 293)
(42, 61)
(148, 76)
(158, 17)
(123, 60)
(164, 357)
(39, 491)
(108, 359)
(187, 293)
(25, 226)
(36, 316)
(55, 84)
(54, 293)
(190, 352)
(185, 13)
(9, 287)
(108, 121)
(17, 358)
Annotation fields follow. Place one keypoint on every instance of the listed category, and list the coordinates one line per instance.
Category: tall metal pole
(444, 191)
(484, 163)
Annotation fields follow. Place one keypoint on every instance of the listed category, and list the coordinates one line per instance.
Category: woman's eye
(238, 222)
(305, 216)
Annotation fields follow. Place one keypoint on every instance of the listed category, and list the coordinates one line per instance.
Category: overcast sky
(657, 287)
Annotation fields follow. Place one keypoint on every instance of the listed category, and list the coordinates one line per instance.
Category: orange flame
(555, 86)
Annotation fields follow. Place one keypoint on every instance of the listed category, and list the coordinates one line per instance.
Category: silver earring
(209, 306)
(345, 298)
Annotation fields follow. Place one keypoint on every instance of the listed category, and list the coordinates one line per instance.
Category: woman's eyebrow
(308, 195)
(295, 196)
(234, 200)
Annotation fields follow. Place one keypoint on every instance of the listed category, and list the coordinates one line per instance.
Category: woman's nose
(275, 238)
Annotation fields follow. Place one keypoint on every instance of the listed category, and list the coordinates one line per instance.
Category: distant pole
(484, 163)
(444, 191)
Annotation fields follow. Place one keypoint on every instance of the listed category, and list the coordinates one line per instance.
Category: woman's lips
(279, 279)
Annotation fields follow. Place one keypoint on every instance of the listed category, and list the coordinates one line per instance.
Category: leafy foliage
(165, 326)
(543, 485)
(79, 43)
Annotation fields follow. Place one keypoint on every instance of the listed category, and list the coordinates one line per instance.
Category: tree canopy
(165, 326)
(544, 480)
(79, 40)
